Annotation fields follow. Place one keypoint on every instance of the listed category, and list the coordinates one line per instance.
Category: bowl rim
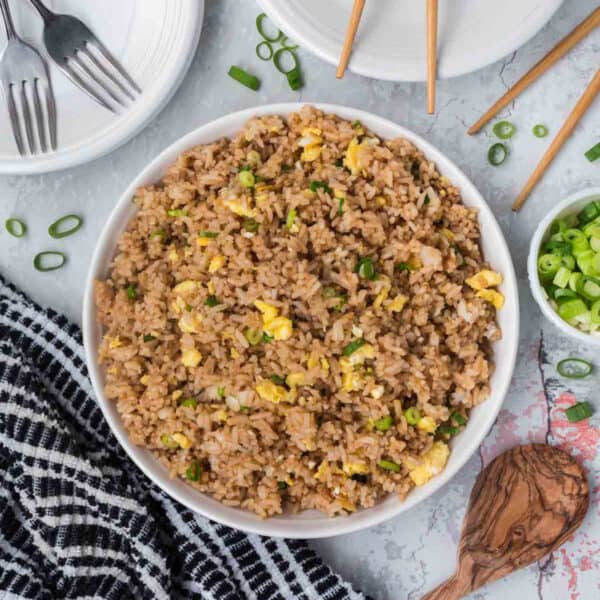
(285, 526)
(534, 280)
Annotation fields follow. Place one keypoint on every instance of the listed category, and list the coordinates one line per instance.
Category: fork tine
(106, 72)
(14, 119)
(27, 119)
(51, 112)
(98, 45)
(74, 77)
(81, 64)
(39, 115)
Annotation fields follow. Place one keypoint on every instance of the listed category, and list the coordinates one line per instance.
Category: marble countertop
(402, 558)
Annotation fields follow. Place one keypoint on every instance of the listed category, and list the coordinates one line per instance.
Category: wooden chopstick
(572, 39)
(432, 26)
(592, 90)
(357, 11)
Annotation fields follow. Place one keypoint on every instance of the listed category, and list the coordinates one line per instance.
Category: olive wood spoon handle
(524, 505)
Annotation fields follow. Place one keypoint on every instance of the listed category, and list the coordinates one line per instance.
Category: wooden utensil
(581, 107)
(357, 11)
(572, 39)
(432, 26)
(524, 504)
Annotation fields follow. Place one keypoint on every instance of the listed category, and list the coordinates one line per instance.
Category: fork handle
(8, 22)
(41, 8)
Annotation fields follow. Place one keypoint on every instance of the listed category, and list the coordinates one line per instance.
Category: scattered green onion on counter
(504, 130)
(574, 368)
(49, 261)
(245, 78)
(497, 154)
(261, 54)
(15, 227)
(65, 226)
(593, 153)
(579, 412)
(261, 29)
(540, 130)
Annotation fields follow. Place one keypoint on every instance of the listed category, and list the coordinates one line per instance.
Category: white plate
(154, 39)
(391, 40)
(309, 524)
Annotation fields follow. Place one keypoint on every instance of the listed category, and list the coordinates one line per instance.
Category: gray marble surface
(408, 555)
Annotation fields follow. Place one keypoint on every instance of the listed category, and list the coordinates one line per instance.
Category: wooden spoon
(524, 505)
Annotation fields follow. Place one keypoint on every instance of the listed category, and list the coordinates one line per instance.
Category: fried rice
(299, 317)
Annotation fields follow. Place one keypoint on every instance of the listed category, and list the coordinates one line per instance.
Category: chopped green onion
(57, 231)
(548, 265)
(571, 309)
(278, 57)
(403, 267)
(276, 379)
(458, 418)
(266, 338)
(384, 423)
(365, 268)
(339, 163)
(286, 168)
(589, 212)
(194, 471)
(561, 279)
(189, 403)
(49, 261)
(260, 28)
(340, 210)
(15, 227)
(448, 430)
(574, 368)
(593, 153)
(412, 415)
(221, 392)
(569, 262)
(497, 154)
(250, 225)
(283, 41)
(247, 179)
(294, 78)
(254, 336)
(149, 338)
(131, 292)
(562, 295)
(353, 346)
(426, 200)
(540, 130)
(320, 185)
(160, 234)
(557, 247)
(588, 287)
(177, 212)
(208, 234)
(579, 412)
(504, 130)
(389, 465)
(290, 219)
(262, 55)
(282, 485)
(250, 81)
(211, 301)
(595, 313)
(356, 125)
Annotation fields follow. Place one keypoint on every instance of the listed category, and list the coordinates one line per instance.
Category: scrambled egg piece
(173, 256)
(178, 305)
(339, 194)
(203, 241)
(359, 356)
(280, 328)
(397, 304)
(234, 353)
(311, 142)
(270, 391)
(186, 287)
(253, 158)
(240, 206)
(493, 297)
(377, 392)
(313, 360)
(432, 463)
(183, 441)
(324, 364)
(447, 234)
(269, 312)
(353, 155)
(352, 380)
(322, 471)
(176, 395)
(381, 201)
(211, 287)
(216, 263)
(484, 279)
(355, 468)
(144, 380)
(295, 379)
(427, 424)
(383, 294)
(114, 342)
(221, 415)
(346, 504)
(191, 358)
(190, 322)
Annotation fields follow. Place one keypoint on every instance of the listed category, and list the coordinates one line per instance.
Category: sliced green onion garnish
(574, 368)
(254, 336)
(290, 219)
(294, 78)
(194, 471)
(149, 338)
(448, 430)
(168, 442)
(389, 465)
(261, 54)
(412, 415)
(504, 130)
(365, 268)
(353, 346)
(278, 57)
(589, 212)
(593, 153)
(158, 234)
(189, 403)
(259, 26)
(250, 225)
(458, 418)
(266, 338)
(595, 313)
(284, 42)
(221, 392)
(561, 279)
(57, 230)
(320, 185)
(211, 301)
(250, 81)
(403, 267)
(579, 412)
(49, 261)
(208, 234)
(540, 130)
(548, 265)
(282, 485)
(131, 292)
(247, 179)
(497, 154)
(177, 212)
(277, 380)
(571, 309)
(384, 423)
(340, 210)
(15, 227)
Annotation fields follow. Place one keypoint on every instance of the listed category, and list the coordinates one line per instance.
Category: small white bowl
(573, 204)
(309, 524)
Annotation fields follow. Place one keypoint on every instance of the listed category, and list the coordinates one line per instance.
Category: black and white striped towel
(79, 520)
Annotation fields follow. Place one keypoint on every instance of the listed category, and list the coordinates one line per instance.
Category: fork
(82, 57)
(23, 75)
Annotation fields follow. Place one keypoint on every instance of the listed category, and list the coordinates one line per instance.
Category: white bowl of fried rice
(304, 324)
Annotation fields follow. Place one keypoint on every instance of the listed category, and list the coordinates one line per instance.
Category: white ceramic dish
(154, 40)
(573, 204)
(391, 40)
(309, 524)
